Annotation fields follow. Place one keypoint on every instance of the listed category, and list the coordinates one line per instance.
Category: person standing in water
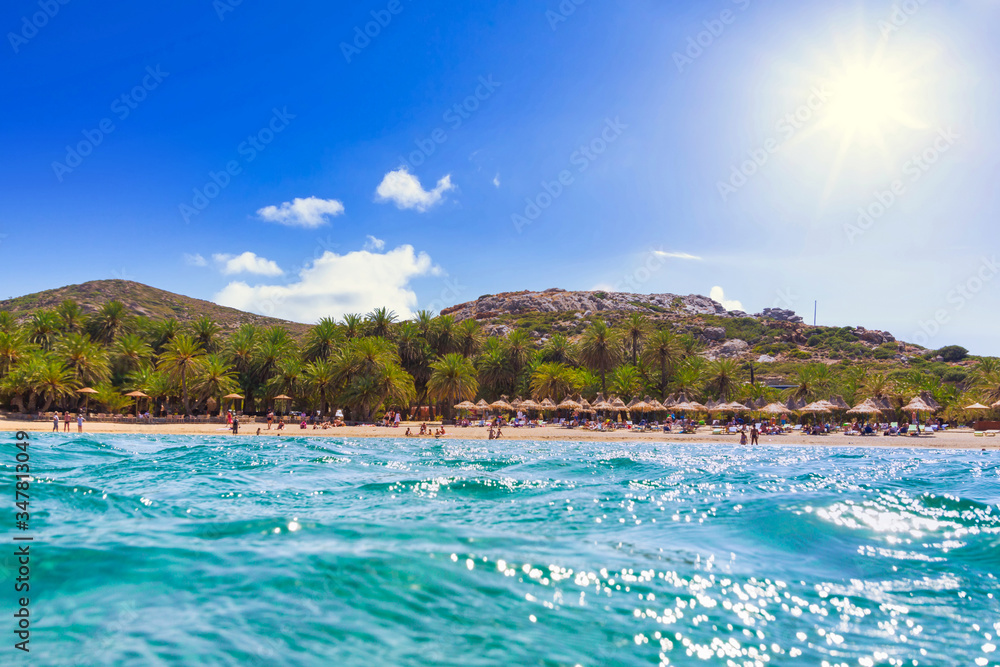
(753, 434)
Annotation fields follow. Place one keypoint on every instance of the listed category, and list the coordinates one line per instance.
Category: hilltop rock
(554, 300)
(780, 315)
(874, 337)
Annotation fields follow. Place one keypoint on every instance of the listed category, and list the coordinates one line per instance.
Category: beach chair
(716, 431)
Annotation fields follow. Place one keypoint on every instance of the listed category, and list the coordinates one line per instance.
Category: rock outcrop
(556, 300)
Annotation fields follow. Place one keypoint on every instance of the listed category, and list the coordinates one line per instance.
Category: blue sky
(776, 152)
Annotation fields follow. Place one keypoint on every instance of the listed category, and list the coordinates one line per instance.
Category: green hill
(142, 300)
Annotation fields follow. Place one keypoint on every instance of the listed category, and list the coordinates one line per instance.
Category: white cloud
(373, 243)
(310, 212)
(334, 285)
(676, 255)
(717, 294)
(404, 189)
(496, 180)
(194, 260)
(248, 262)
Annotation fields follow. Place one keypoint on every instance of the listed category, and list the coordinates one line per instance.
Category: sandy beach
(954, 439)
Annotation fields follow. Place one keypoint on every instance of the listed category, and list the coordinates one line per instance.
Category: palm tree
(600, 350)
(559, 349)
(206, 331)
(109, 322)
(289, 378)
(182, 358)
(689, 376)
(626, 381)
(43, 328)
(131, 352)
(636, 328)
(664, 351)
(13, 348)
(380, 322)
(241, 350)
(87, 360)
(70, 315)
(162, 332)
(986, 377)
(442, 335)
(322, 340)
(723, 380)
(554, 380)
(495, 372)
(518, 347)
(8, 323)
(215, 379)
(53, 381)
(468, 337)
(321, 377)
(353, 325)
(453, 379)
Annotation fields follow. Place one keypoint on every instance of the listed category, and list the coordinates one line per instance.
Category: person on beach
(753, 434)
(66, 421)
(55, 422)
(270, 419)
(79, 422)
(236, 425)
(743, 436)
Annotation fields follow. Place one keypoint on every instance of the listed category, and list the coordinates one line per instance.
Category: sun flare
(869, 101)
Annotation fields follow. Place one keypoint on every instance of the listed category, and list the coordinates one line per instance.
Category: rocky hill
(141, 300)
(772, 335)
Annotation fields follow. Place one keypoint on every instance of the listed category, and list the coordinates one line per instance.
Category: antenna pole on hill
(815, 310)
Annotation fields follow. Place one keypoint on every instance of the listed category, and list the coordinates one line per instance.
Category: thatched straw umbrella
(528, 404)
(773, 409)
(817, 407)
(734, 406)
(838, 402)
(568, 404)
(482, 405)
(516, 403)
(465, 405)
(600, 403)
(618, 405)
(547, 405)
(501, 404)
(689, 406)
(136, 395)
(976, 406)
(917, 405)
(654, 405)
(86, 391)
(866, 407)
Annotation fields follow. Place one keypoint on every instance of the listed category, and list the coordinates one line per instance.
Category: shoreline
(955, 439)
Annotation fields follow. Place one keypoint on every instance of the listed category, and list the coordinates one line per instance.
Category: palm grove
(367, 364)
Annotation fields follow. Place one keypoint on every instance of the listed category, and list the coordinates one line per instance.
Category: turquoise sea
(167, 550)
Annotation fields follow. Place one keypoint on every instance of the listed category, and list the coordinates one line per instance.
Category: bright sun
(873, 102)
(868, 101)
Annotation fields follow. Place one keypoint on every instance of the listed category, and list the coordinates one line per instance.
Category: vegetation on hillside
(367, 364)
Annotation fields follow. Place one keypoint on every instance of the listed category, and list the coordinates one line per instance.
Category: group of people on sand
(754, 434)
(66, 420)
(391, 418)
(424, 431)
